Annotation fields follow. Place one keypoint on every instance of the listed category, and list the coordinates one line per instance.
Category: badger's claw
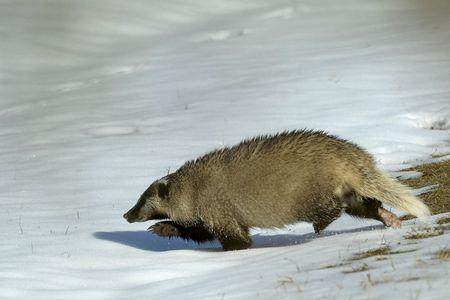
(164, 229)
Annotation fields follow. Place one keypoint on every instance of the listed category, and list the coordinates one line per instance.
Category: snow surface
(99, 98)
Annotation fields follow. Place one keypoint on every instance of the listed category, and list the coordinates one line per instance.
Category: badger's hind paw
(389, 219)
(164, 229)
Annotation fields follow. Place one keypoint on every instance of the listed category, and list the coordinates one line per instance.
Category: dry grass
(435, 173)
(361, 268)
(427, 233)
(443, 221)
(370, 281)
(402, 251)
(334, 266)
(381, 258)
(289, 281)
(385, 250)
(408, 279)
(443, 254)
(443, 227)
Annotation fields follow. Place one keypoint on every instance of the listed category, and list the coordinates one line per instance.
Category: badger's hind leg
(197, 233)
(321, 210)
(324, 216)
(370, 208)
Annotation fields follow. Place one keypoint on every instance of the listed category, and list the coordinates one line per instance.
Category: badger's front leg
(197, 233)
(234, 237)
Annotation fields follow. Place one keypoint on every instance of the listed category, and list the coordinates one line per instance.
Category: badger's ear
(163, 188)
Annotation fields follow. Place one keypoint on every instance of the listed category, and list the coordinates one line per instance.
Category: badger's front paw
(164, 229)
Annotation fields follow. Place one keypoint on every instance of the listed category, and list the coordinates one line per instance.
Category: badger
(268, 182)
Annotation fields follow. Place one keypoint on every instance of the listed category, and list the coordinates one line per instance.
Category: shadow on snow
(147, 241)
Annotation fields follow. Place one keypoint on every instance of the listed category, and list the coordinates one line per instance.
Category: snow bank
(99, 98)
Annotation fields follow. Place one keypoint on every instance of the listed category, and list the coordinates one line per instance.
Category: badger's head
(150, 205)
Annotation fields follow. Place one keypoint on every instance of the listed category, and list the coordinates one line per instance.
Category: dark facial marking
(163, 190)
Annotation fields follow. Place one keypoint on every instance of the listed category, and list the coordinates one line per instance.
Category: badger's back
(263, 180)
(271, 181)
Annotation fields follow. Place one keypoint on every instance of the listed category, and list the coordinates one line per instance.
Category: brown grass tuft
(444, 220)
(427, 233)
(435, 173)
(385, 250)
(443, 254)
(361, 268)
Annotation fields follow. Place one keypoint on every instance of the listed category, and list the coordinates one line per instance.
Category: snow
(99, 98)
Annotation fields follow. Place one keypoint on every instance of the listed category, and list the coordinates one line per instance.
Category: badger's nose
(129, 217)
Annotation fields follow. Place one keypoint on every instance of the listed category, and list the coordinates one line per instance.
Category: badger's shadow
(147, 241)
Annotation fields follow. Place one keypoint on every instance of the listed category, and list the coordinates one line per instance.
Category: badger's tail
(390, 191)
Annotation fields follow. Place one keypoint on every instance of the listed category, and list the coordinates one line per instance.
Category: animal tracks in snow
(285, 13)
(435, 123)
(226, 34)
(100, 77)
(113, 131)
(108, 130)
(431, 122)
(439, 124)
(222, 35)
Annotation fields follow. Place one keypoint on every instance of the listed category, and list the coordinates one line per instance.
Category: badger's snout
(130, 216)
(125, 215)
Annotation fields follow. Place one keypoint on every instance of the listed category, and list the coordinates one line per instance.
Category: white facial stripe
(163, 180)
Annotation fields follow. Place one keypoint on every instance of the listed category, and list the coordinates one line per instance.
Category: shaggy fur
(271, 181)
